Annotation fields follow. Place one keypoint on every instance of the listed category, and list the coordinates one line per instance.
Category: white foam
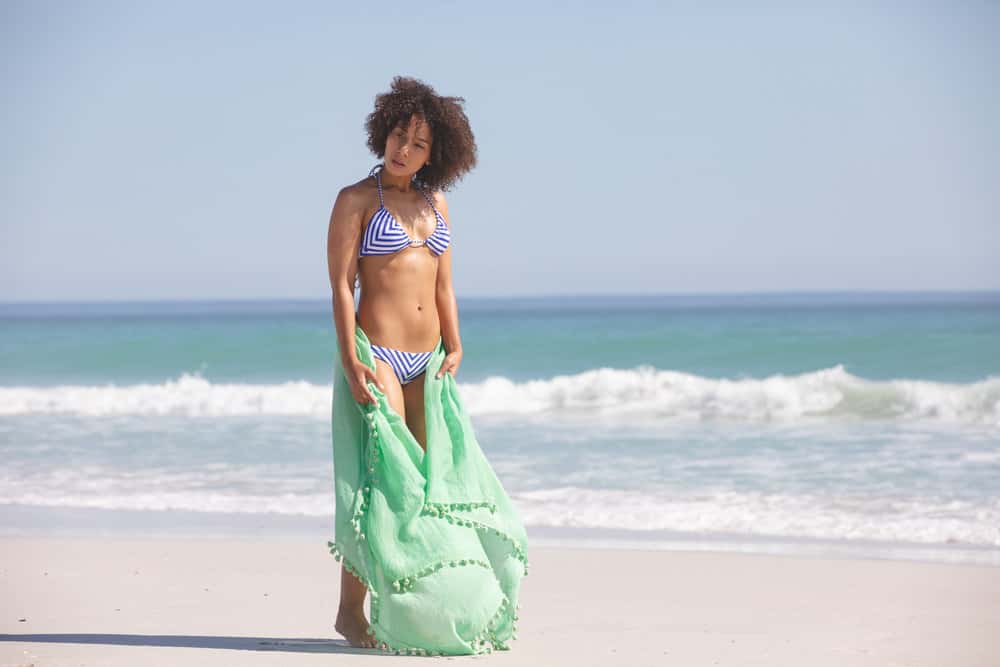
(204, 500)
(842, 516)
(932, 521)
(643, 392)
(190, 395)
(830, 393)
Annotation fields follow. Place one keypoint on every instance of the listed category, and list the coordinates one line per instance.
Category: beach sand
(229, 601)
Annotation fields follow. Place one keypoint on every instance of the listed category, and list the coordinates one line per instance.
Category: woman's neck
(401, 183)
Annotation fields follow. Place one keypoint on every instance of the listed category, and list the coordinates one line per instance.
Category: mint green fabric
(433, 536)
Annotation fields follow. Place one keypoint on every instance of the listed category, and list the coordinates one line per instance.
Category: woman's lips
(398, 163)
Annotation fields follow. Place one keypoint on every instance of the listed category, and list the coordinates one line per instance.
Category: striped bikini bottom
(406, 365)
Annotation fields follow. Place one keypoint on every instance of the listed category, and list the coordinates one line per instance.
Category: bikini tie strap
(429, 200)
(378, 181)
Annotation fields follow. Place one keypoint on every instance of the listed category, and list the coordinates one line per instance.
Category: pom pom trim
(486, 640)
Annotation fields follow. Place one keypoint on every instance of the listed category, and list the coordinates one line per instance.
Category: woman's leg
(416, 418)
(351, 621)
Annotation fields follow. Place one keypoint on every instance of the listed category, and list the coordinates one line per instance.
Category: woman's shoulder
(357, 193)
(354, 202)
(363, 185)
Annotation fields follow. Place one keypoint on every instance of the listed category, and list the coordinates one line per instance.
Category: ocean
(858, 424)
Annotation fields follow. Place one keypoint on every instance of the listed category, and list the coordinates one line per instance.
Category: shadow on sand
(283, 644)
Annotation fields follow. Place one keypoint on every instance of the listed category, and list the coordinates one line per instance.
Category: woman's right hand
(358, 375)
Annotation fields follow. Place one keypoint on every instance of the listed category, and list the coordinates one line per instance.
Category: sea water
(830, 424)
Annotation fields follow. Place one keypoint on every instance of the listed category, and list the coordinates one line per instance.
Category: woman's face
(408, 147)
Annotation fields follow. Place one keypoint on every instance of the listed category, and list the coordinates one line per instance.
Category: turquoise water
(824, 423)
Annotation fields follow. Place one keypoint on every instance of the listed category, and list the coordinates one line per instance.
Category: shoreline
(31, 521)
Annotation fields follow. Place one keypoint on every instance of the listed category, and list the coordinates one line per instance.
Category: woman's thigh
(416, 418)
(393, 391)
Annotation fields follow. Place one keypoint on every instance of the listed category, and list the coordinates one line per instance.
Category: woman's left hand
(450, 364)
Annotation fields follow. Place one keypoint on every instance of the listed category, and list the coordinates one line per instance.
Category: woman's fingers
(446, 368)
(368, 395)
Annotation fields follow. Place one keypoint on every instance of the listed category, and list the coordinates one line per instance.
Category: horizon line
(566, 295)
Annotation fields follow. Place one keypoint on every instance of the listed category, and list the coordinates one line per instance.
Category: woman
(422, 523)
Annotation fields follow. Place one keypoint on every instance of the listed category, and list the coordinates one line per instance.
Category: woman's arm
(342, 240)
(444, 292)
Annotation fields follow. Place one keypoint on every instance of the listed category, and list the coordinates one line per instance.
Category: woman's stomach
(407, 322)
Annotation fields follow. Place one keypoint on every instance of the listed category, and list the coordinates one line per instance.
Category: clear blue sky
(193, 150)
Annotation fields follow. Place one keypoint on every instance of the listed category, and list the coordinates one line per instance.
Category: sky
(190, 150)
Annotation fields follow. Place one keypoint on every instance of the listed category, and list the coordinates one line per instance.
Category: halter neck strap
(378, 182)
(429, 200)
(377, 171)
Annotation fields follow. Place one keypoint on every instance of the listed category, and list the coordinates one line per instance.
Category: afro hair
(453, 146)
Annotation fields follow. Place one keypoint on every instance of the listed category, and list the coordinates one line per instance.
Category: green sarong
(434, 537)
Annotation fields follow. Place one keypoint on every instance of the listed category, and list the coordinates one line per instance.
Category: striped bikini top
(385, 236)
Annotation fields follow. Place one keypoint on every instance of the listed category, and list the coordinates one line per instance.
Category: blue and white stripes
(406, 365)
(385, 236)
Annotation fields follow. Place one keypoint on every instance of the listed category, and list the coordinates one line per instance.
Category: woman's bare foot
(354, 626)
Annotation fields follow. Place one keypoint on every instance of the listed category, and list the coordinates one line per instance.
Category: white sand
(170, 601)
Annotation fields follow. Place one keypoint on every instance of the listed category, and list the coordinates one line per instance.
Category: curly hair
(453, 146)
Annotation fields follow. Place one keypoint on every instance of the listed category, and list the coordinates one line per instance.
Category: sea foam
(644, 391)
